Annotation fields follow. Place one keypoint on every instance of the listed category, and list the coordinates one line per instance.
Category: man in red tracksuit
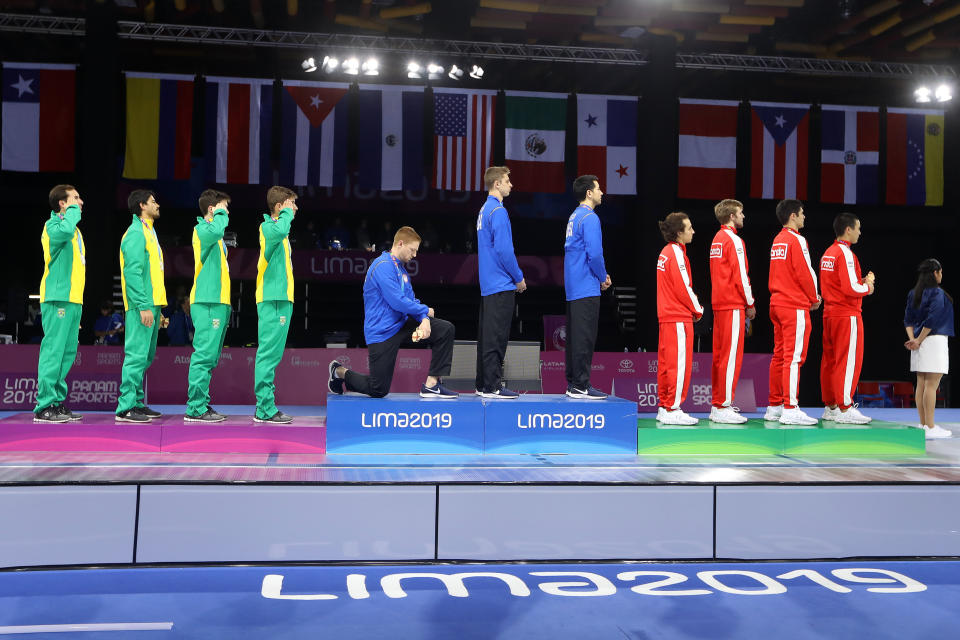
(677, 309)
(732, 300)
(793, 295)
(843, 292)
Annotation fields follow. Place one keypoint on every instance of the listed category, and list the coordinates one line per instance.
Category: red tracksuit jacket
(793, 283)
(840, 281)
(729, 271)
(676, 301)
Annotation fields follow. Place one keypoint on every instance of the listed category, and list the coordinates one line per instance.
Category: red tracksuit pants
(674, 362)
(728, 325)
(842, 357)
(791, 334)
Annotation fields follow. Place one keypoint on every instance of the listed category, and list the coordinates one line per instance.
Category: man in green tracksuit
(274, 300)
(61, 301)
(209, 303)
(141, 277)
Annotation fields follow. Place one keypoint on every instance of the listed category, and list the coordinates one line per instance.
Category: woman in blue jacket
(928, 320)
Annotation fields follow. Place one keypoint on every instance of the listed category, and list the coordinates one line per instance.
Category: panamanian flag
(39, 103)
(607, 141)
(779, 138)
(390, 138)
(850, 154)
(313, 133)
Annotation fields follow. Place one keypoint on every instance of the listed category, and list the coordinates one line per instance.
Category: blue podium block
(404, 423)
(542, 423)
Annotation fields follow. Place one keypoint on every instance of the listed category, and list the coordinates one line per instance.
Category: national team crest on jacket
(283, 320)
(216, 323)
(61, 313)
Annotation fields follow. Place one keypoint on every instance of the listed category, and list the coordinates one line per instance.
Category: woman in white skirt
(928, 320)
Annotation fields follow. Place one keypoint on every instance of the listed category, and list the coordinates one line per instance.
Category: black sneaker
(215, 412)
(73, 417)
(334, 382)
(278, 418)
(208, 416)
(150, 413)
(437, 391)
(50, 415)
(132, 415)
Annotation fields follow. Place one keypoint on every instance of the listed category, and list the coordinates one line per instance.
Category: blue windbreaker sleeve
(503, 245)
(593, 240)
(389, 286)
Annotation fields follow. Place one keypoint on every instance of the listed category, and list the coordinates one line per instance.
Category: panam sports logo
(662, 263)
(826, 263)
(778, 251)
(716, 250)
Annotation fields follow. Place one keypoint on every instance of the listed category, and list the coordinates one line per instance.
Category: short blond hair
(278, 195)
(406, 235)
(493, 175)
(725, 210)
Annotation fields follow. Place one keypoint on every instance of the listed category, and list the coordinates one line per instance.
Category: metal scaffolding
(352, 43)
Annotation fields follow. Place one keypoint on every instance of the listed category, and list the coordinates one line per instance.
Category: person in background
(109, 326)
(337, 237)
(180, 328)
(364, 243)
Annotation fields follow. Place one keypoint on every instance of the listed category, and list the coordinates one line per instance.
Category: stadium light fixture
(943, 93)
(351, 66)
(330, 64)
(371, 67)
(455, 73)
(922, 94)
(309, 65)
(414, 69)
(476, 72)
(434, 70)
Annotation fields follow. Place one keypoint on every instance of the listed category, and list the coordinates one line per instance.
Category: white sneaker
(796, 416)
(830, 414)
(661, 412)
(726, 415)
(936, 432)
(687, 418)
(677, 417)
(773, 413)
(853, 416)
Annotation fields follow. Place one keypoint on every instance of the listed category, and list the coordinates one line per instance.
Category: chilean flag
(391, 138)
(607, 141)
(38, 117)
(850, 156)
(313, 134)
(778, 158)
(239, 130)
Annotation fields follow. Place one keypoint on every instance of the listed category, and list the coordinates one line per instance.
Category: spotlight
(371, 67)
(476, 72)
(455, 73)
(330, 63)
(943, 93)
(413, 70)
(309, 65)
(351, 66)
(434, 70)
(922, 94)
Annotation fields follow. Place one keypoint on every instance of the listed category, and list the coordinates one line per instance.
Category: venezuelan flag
(159, 126)
(915, 157)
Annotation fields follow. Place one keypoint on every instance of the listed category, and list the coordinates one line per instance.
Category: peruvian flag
(707, 149)
(38, 117)
(778, 156)
(239, 130)
(607, 141)
(313, 133)
(850, 155)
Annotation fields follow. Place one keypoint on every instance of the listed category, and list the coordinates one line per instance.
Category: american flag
(463, 138)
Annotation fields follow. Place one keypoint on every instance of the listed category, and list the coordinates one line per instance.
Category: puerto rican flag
(38, 117)
(850, 156)
(707, 149)
(390, 142)
(778, 157)
(607, 141)
(313, 133)
(239, 130)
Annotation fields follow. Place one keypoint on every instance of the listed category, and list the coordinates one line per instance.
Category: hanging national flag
(239, 138)
(536, 139)
(313, 135)
(707, 146)
(38, 117)
(462, 137)
(778, 159)
(159, 126)
(607, 141)
(915, 156)
(391, 137)
(850, 156)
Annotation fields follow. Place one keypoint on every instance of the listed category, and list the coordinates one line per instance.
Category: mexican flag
(535, 140)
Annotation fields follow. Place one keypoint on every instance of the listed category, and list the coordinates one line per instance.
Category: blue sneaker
(502, 393)
(437, 391)
(335, 383)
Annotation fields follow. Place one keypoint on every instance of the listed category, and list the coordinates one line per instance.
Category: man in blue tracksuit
(584, 277)
(393, 316)
(500, 281)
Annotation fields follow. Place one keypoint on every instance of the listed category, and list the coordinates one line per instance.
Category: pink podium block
(97, 432)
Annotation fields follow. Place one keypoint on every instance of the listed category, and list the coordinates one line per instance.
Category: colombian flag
(159, 121)
(915, 157)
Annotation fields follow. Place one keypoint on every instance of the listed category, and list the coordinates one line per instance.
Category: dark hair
(583, 184)
(137, 198)
(278, 195)
(785, 208)
(843, 222)
(210, 198)
(926, 280)
(672, 225)
(59, 193)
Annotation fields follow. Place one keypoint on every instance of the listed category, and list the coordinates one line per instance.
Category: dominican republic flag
(38, 116)
(159, 126)
(850, 155)
(391, 137)
(707, 149)
(462, 137)
(239, 130)
(536, 140)
(778, 158)
(915, 156)
(607, 141)
(313, 135)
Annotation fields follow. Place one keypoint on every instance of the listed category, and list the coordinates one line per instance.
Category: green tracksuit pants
(58, 350)
(139, 348)
(274, 323)
(210, 322)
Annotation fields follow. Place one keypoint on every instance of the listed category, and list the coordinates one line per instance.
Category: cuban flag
(39, 102)
(607, 141)
(313, 133)
(391, 137)
(850, 154)
(778, 157)
(239, 123)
